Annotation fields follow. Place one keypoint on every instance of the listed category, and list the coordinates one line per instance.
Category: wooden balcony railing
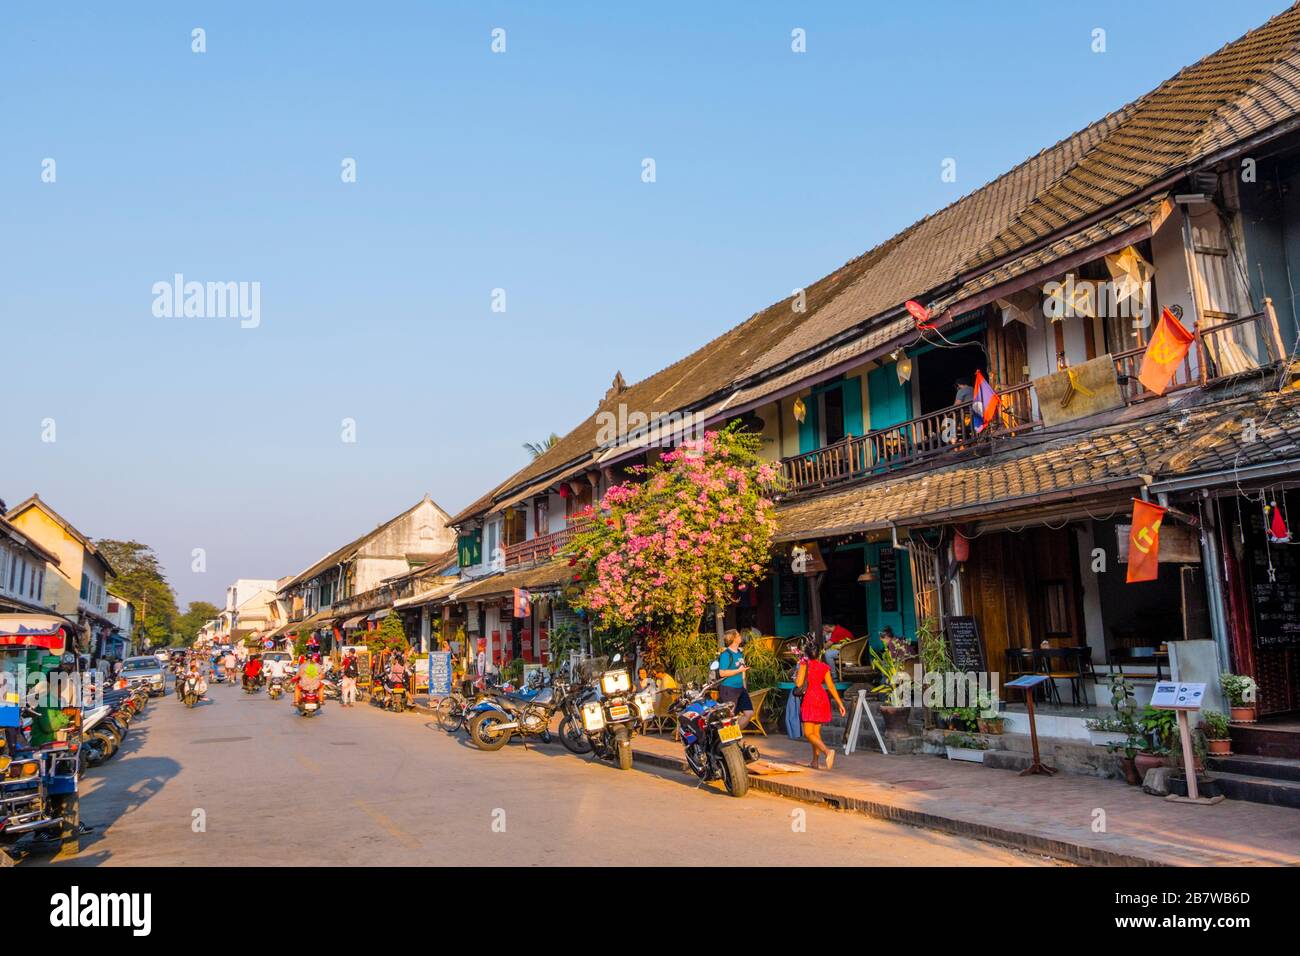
(541, 547)
(903, 444)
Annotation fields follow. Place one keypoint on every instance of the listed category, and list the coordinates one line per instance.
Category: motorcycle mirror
(616, 658)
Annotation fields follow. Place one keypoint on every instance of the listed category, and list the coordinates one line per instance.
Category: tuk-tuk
(39, 738)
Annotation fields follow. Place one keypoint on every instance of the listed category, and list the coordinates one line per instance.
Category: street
(245, 781)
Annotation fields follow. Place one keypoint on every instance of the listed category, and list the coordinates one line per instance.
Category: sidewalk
(1048, 815)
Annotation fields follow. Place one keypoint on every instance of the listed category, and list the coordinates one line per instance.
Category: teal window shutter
(808, 430)
(853, 406)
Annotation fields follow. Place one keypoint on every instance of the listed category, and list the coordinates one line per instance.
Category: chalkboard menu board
(789, 595)
(888, 580)
(1277, 602)
(967, 648)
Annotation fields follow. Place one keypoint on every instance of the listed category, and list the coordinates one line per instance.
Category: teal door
(889, 597)
(890, 400)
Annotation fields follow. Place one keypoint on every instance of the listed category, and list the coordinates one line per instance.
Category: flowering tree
(692, 530)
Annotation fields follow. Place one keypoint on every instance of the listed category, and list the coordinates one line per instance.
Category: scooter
(275, 687)
(309, 703)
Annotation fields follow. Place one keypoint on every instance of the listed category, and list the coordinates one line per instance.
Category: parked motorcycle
(610, 712)
(711, 738)
(498, 718)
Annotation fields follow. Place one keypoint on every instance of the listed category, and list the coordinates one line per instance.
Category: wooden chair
(1061, 663)
(662, 717)
(850, 659)
(772, 644)
(758, 698)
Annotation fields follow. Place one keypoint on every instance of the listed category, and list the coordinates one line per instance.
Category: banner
(1144, 542)
(1165, 352)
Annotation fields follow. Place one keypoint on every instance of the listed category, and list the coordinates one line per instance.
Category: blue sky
(475, 171)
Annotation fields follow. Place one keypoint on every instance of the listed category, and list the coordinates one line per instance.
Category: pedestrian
(732, 669)
(812, 683)
(348, 694)
(229, 662)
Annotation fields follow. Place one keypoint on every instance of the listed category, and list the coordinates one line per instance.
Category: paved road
(359, 786)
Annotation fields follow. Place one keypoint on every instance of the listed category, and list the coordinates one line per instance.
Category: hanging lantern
(961, 547)
(800, 410)
(904, 368)
(868, 574)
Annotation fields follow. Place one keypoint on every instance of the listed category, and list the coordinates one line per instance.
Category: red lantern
(961, 547)
(918, 312)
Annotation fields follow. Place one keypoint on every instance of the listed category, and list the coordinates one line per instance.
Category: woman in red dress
(814, 676)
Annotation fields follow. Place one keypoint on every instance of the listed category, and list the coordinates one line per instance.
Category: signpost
(1184, 698)
(1027, 684)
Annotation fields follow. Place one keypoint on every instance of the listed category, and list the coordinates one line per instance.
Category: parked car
(145, 672)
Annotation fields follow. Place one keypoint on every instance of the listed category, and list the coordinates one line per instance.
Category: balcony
(1231, 346)
(540, 548)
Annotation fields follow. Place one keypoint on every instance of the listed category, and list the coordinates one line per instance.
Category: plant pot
(1243, 715)
(1219, 748)
(965, 753)
(1205, 786)
(1102, 738)
(896, 718)
(991, 725)
(1145, 762)
(1131, 776)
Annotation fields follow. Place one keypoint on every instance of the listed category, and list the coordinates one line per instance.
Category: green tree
(141, 581)
(539, 448)
(389, 636)
(187, 625)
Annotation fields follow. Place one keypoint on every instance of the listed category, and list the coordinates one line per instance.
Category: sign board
(1179, 544)
(1177, 695)
(888, 580)
(439, 674)
(967, 647)
(419, 669)
(807, 559)
(788, 595)
(1028, 682)
(1078, 391)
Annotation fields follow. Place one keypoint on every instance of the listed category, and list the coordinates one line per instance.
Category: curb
(1077, 853)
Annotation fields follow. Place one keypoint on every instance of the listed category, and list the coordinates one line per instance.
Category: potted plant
(1240, 691)
(1214, 725)
(1108, 731)
(1128, 750)
(893, 684)
(965, 747)
(988, 716)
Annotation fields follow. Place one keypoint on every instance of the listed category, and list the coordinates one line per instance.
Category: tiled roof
(550, 575)
(1180, 441)
(1244, 88)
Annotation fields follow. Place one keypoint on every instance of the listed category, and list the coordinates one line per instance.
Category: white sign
(1171, 695)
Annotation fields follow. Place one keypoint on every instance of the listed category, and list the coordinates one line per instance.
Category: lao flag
(523, 606)
(985, 403)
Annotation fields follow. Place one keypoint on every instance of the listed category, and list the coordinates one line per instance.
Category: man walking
(350, 672)
(732, 668)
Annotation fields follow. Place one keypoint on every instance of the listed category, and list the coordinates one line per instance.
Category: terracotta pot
(1219, 747)
(1145, 762)
(896, 718)
(1243, 715)
(992, 725)
(1131, 776)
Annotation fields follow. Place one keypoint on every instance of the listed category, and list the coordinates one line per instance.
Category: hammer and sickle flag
(1144, 541)
(1165, 352)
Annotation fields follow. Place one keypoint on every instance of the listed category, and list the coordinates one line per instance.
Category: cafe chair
(755, 725)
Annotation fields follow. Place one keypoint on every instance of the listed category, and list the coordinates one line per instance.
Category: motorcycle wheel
(69, 808)
(480, 731)
(623, 748)
(449, 714)
(734, 772)
(574, 739)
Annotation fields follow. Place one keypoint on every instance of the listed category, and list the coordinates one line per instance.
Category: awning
(380, 614)
(551, 576)
(432, 596)
(353, 622)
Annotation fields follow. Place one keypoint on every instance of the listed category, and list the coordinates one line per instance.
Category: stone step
(1265, 741)
(1278, 793)
(1249, 765)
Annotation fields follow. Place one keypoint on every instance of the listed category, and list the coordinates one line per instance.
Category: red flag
(1144, 541)
(1165, 352)
(985, 403)
(523, 606)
